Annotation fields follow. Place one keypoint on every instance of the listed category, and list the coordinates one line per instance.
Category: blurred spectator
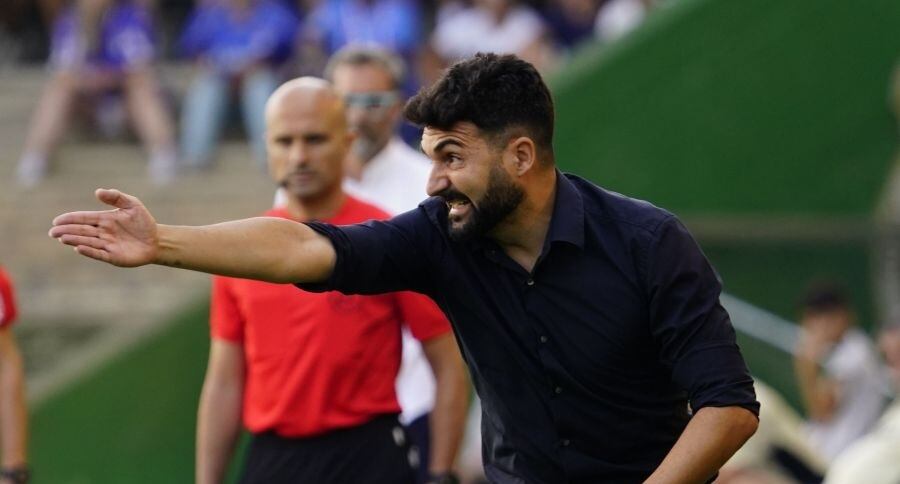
(778, 452)
(571, 22)
(101, 49)
(618, 17)
(392, 24)
(13, 417)
(837, 370)
(383, 170)
(238, 45)
(498, 26)
(875, 458)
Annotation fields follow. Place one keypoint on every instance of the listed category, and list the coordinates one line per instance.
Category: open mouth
(458, 207)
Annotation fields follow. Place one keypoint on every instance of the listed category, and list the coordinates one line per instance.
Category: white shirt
(873, 459)
(854, 365)
(468, 31)
(394, 181)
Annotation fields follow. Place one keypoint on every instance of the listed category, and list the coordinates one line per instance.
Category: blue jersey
(232, 40)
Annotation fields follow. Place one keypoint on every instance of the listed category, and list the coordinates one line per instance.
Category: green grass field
(131, 422)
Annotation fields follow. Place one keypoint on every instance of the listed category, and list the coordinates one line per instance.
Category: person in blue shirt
(395, 25)
(238, 46)
(102, 57)
(590, 321)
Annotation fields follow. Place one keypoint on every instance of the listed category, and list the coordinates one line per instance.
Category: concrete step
(73, 308)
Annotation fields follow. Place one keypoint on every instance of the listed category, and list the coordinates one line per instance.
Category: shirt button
(558, 390)
(543, 339)
(530, 282)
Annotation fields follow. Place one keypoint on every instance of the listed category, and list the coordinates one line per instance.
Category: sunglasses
(372, 100)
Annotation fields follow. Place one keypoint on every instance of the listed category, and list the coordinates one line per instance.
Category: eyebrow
(446, 142)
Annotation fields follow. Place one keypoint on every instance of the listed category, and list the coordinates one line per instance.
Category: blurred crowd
(103, 55)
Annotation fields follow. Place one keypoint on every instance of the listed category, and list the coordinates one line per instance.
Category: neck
(323, 207)
(521, 235)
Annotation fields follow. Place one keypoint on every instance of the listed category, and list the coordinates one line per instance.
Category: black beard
(500, 199)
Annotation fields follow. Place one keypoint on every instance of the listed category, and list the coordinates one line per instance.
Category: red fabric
(318, 362)
(8, 309)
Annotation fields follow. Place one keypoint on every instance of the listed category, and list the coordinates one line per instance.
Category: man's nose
(437, 180)
(355, 115)
(298, 155)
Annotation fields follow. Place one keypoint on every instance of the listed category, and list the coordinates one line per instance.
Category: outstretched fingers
(93, 253)
(72, 229)
(79, 240)
(80, 218)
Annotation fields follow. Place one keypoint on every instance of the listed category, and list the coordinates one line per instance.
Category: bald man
(312, 375)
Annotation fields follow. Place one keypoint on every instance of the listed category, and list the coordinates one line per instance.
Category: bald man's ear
(522, 153)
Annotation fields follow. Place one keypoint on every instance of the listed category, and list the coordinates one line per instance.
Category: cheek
(332, 159)
(276, 162)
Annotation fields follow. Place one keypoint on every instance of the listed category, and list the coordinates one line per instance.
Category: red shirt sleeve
(225, 319)
(423, 317)
(8, 309)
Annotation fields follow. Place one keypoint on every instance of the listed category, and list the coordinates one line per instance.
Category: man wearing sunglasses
(383, 170)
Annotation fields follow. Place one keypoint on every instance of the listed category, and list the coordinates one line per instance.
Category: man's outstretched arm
(268, 249)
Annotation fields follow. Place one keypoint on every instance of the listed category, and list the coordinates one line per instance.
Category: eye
(316, 139)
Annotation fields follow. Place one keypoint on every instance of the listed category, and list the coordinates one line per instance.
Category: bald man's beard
(318, 188)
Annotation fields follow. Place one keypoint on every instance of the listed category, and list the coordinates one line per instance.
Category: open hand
(125, 236)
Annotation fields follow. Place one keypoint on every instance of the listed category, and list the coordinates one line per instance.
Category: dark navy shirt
(586, 366)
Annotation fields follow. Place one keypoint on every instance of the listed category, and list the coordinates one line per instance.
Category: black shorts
(376, 452)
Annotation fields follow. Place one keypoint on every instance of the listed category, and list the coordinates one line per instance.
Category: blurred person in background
(619, 17)
(333, 24)
(570, 22)
(498, 26)
(383, 170)
(313, 374)
(238, 46)
(102, 51)
(13, 416)
(837, 370)
(875, 458)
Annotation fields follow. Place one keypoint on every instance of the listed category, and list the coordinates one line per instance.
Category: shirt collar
(567, 221)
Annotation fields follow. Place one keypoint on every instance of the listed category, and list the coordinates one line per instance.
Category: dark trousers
(419, 433)
(376, 452)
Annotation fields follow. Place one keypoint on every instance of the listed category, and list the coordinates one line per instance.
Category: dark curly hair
(501, 94)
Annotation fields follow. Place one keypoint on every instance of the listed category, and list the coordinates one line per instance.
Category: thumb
(115, 198)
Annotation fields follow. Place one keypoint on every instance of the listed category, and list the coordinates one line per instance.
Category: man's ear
(521, 154)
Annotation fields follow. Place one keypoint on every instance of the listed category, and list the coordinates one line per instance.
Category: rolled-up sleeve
(689, 325)
(380, 256)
